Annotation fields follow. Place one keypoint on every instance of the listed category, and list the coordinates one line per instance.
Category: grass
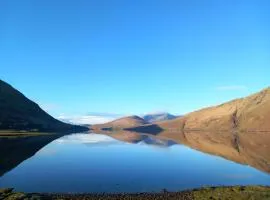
(16, 134)
(233, 193)
(207, 193)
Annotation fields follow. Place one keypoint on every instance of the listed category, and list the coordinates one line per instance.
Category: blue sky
(123, 57)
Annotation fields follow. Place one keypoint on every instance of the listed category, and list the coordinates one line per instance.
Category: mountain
(156, 117)
(20, 113)
(122, 123)
(251, 113)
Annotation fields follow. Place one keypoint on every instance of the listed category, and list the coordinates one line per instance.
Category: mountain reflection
(13, 151)
(251, 148)
(139, 138)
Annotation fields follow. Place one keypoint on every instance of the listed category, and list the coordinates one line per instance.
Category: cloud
(88, 119)
(232, 88)
(104, 114)
(157, 112)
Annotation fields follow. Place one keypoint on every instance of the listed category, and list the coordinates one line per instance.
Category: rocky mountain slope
(17, 112)
(156, 117)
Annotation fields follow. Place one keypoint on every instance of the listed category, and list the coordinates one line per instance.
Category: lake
(99, 163)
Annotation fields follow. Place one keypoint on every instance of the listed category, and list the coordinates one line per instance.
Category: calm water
(99, 163)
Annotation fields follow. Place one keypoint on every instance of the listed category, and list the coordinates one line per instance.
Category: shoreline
(228, 192)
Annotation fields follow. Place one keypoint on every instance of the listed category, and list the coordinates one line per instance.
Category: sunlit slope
(246, 114)
(122, 123)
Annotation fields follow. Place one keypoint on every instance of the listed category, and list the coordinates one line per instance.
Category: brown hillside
(122, 123)
(246, 114)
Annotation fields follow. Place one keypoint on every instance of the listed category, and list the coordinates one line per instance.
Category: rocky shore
(232, 193)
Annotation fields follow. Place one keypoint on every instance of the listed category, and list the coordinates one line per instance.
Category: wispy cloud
(155, 112)
(232, 88)
(104, 114)
(92, 118)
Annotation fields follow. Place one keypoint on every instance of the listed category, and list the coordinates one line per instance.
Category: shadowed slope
(20, 113)
(148, 128)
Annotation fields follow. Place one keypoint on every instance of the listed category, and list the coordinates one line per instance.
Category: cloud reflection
(90, 138)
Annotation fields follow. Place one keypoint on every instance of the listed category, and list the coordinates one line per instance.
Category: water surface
(99, 163)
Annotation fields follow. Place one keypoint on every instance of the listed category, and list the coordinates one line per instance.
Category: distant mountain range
(157, 117)
(246, 114)
(17, 112)
(134, 121)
